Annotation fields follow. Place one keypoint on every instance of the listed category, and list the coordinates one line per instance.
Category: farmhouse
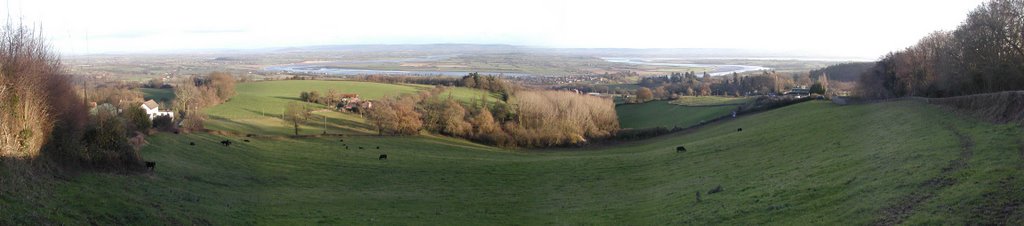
(351, 102)
(153, 110)
(799, 92)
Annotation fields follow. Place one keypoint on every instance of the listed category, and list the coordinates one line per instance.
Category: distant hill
(447, 48)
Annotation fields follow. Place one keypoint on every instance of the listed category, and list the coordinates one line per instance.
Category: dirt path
(1002, 204)
(905, 206)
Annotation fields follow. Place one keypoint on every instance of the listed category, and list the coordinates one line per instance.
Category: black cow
(150, 165)
(383, 157)
(192, 143)
(360, 147)
(680, 149)
(378, 147)
(246, 140)
(739, 129)
(341, 140)
(226, 143)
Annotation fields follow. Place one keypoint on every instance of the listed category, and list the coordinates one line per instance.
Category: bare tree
(295, 114)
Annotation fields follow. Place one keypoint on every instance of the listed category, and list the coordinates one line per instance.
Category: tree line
(196, 93)
(984, 54)
(531, 119)
(689, 84)
(844, 72)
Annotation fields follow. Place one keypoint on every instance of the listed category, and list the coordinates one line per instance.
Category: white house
(153, 110)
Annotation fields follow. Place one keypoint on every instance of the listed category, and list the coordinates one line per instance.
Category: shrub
(106, 143)
(31, 84)
(553, 118)
(137, 119)
(817, 88)
(163, 123)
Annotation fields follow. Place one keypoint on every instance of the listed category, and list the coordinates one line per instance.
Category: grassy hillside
(811, 163)
(257, 106)
(664, 114)
(157, 94)
(710, 100)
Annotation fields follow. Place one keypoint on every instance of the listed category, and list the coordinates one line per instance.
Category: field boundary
(999, 107)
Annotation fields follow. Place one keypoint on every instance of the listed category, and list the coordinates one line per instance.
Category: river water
(716, 69)
(330, 68)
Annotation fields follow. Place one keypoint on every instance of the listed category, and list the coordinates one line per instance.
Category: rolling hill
(664, 114)
(810, 163)
(258, 106)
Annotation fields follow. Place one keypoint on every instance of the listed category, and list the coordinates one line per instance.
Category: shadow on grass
(334, 125)
(288, 98)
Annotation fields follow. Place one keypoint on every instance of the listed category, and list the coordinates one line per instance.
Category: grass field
(811, 163)
(258, 106)
(662, 113)
(709, 100)
(157, 94)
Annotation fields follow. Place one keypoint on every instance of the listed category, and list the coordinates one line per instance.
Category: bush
(817, 88)
(137, 119)
(554, 118)
(38, 96)
(106, 143)
(163, 123)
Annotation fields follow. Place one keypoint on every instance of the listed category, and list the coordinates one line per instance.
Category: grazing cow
(346, 147)
(192, 143)
(378, 147)
(226, 143)
(680, 149)
(383, 157)
(246, 140)
(175, 132)
(150, 165)
(739, 129)
(717, 189)
(360, 147)
(341, 140)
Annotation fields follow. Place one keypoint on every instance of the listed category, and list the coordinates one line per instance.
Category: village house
(351, 102)
(153, 110)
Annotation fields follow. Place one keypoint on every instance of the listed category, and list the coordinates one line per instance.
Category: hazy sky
(860, 28)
